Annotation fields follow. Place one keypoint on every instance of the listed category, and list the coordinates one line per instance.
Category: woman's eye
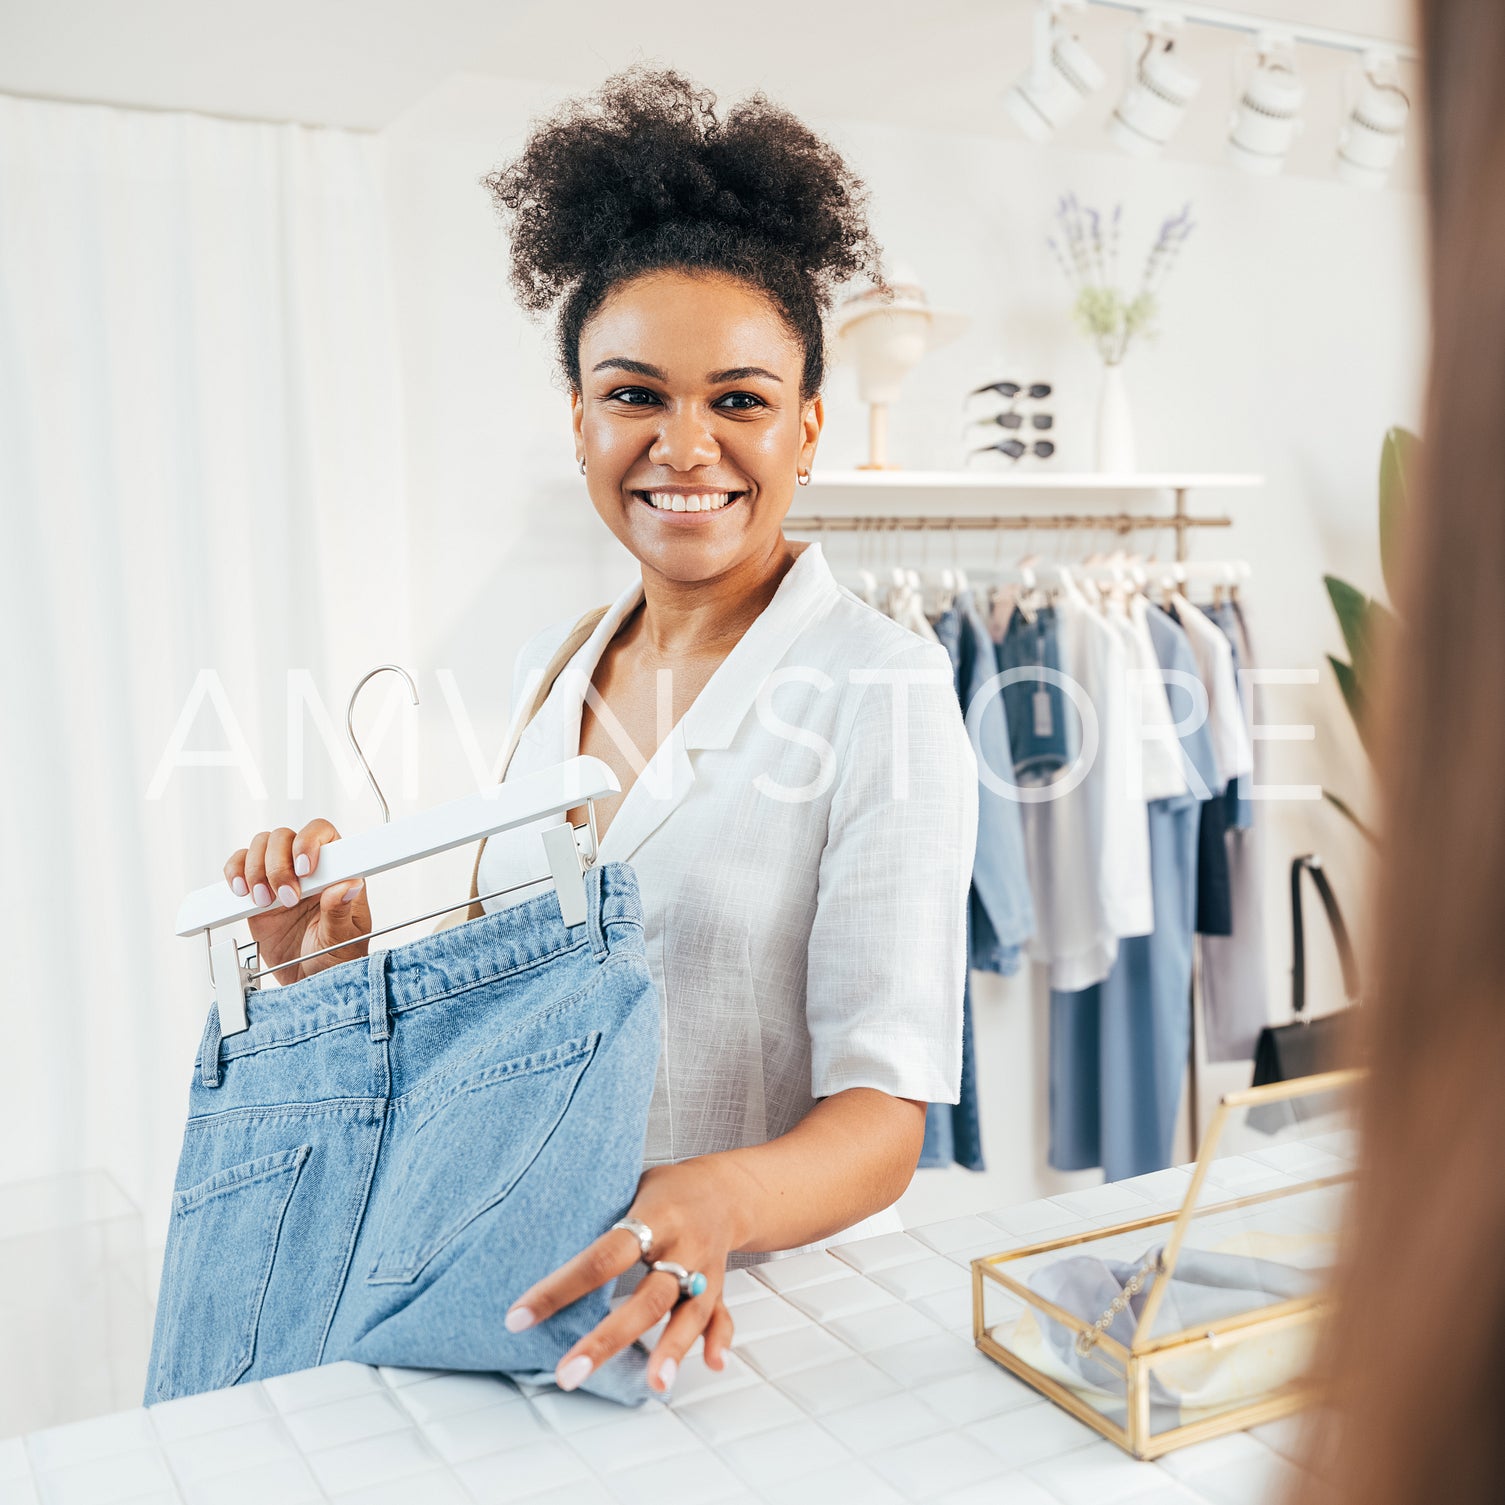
(630, 397)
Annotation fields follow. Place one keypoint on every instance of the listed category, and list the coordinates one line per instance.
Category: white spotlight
(1374, 128)
(1268, 115)
(1159, 89)
(1058, 81)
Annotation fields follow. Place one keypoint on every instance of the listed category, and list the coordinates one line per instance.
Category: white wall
(1294, 335)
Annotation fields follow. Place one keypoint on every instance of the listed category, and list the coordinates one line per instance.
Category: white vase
(1115, 427)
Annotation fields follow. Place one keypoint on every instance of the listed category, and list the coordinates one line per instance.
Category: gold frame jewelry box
(1210, 1329)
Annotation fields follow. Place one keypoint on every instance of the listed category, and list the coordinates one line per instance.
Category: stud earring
(803, 477)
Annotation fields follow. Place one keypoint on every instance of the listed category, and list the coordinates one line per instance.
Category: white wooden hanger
(500, 807)
(1173, 576)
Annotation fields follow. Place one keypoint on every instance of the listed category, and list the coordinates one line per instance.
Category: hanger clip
(567, 864)
(232, 978)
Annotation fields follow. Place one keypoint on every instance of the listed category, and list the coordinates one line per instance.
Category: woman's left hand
(691, 1209)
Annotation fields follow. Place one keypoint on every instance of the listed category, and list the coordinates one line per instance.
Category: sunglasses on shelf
(1012, 389)
(1013, 420)
(1016, 449)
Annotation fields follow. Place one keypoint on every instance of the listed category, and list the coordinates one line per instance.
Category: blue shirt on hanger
(1004, 915)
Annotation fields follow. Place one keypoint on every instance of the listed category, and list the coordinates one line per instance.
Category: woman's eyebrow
(642, 368)
(741, 373)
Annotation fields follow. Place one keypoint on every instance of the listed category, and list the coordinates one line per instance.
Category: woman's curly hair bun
(641, 176)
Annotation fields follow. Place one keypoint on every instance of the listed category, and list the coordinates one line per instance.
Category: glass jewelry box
(1178, 1326)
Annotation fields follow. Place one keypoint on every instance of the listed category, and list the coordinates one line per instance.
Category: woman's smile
(688, 506)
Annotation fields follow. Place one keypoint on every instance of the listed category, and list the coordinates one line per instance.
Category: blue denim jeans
(399, 1146)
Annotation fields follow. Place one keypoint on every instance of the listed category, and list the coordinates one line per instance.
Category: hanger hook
(386, 813)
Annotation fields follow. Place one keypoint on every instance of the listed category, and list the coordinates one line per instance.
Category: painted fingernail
(262, 895)
(288, 896)
(519, 1319)
(238, 886)
(352, 891)
(570, 1375)
(300, 864)
(666, 1372)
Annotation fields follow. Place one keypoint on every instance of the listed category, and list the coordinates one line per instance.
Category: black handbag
(1306, 1046)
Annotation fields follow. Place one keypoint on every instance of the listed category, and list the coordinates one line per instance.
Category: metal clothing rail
(1120, 522)
(1117, 522)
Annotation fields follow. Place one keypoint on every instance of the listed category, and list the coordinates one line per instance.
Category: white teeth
(669, 501)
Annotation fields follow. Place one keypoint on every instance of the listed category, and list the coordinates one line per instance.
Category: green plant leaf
(1353, 698)
(1399, 456)
(1344, 808)
(1352, 607)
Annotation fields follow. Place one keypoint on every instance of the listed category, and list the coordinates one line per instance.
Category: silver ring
(641, 1232)
(691, 1282)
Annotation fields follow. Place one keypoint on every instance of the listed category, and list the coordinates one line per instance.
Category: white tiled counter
(852, 1378)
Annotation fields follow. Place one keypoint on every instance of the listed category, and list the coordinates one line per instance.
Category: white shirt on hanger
(1231, 748)
(804, 926)
(1089, 849)
(1162, 774)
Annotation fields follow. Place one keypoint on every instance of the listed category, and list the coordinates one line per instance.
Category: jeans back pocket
(470, 1142)
(220, 1247)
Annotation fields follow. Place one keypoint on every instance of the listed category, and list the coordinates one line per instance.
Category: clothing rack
(1117, 522)
(1122, 523)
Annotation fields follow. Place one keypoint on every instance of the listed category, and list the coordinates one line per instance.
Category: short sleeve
(888, 945)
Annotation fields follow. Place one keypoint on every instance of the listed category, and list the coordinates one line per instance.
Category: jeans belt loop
(595, 902)
(376, 977)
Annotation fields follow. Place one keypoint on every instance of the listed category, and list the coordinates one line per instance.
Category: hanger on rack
(1101, 579)
(936, 585)
(1223, 575)
(548, 792)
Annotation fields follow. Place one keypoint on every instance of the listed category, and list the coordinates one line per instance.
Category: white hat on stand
(883, 338)
(942, 325)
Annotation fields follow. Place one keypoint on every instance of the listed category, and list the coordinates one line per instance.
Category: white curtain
(201, 494)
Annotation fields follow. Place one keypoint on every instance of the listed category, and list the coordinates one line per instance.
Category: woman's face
(690, 386)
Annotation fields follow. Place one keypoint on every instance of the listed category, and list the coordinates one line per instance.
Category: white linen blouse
(803, 842)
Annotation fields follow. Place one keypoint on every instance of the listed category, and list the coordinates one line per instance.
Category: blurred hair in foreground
(1414, 1354)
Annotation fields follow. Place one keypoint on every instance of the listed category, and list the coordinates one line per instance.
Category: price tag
(1045, 721)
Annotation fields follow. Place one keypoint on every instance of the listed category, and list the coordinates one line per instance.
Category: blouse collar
(807, 591)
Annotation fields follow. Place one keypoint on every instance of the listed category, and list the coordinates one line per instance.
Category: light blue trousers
(399, 1146)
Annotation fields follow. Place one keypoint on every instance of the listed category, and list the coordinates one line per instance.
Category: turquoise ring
(691, 1282)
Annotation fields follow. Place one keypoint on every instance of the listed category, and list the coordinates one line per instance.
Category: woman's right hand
(269, 870)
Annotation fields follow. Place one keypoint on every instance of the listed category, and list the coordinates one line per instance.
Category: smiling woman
(799, 796)
(804, 911)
